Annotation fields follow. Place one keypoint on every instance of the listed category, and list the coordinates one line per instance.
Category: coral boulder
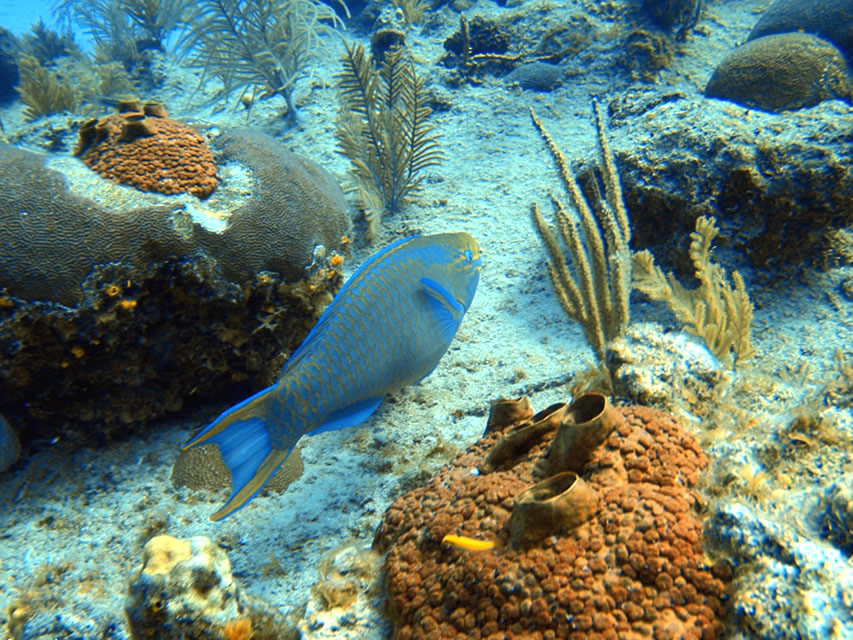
(781, 72)
(297, 211)
(625, 562)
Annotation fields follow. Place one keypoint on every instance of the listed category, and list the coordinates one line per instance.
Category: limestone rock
(185, 591)
(777, 184)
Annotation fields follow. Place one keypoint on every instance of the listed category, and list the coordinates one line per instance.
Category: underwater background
(184, 187)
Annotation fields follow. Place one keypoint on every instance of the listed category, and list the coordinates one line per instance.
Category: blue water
(17, 17)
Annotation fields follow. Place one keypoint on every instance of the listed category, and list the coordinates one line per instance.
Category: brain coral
(296, 206)
(784, 71)
(634, 569)
(142, 147)
(829, 19)
(50, 238)
(146, 323)
(202, 468)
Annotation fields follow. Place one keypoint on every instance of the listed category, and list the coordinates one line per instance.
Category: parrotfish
(386, 329)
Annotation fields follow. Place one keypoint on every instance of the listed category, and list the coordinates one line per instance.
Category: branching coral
(383, 130)
(718, 312)
(43, 91)
(258, 48)
(593, 279)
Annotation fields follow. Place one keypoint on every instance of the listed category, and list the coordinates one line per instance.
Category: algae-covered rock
(782, 72)
(777, 184)
(185, 591)
(10, 448)
(537, 76)
(835, 513)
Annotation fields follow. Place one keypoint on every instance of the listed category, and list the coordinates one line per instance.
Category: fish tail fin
(244, 441)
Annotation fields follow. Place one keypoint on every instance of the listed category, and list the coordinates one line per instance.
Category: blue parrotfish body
(387, 328)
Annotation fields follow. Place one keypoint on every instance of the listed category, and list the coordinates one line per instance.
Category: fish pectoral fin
(349, 416)
(446, 309)
(248, 479)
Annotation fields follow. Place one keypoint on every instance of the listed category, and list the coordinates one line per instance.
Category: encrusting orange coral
(611, 549)
(144, 148)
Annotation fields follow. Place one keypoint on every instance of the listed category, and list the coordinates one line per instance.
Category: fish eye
(469, 255)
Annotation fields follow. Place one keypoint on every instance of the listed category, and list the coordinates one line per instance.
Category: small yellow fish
(470, 544)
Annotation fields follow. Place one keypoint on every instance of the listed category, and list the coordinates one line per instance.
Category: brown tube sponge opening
(589, 421)
(551, 507)
(516, 441)
(155, 109)
(506, 412)
(129, 104)
(135, 126)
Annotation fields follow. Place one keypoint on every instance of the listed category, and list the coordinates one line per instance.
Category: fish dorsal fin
(446, 310)
(349, 416)
(332, 308)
